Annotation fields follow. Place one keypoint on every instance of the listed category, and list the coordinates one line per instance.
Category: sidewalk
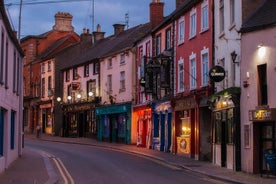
(205, 168)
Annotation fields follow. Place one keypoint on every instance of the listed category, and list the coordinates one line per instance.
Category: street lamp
(234, 56)
(58, 99)
(69, 98)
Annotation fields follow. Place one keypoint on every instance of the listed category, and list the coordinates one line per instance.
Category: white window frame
(109, 84)
(193, 82)
(43, 68)
(193, 23)
(122, 81)
(123, 59)
(181, 30)
(204, 16)
(109, 63)
(204, 67)
(221, 17)
(181, 75)
(232, 12)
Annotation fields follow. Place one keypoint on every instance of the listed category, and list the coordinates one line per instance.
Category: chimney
(156, 12)
(118, 28)
(178, 3)
(98, 35)
(86, 37)
(63, 22)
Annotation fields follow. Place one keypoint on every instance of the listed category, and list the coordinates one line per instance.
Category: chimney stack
(63, 22)
(118, 28)
(178, 3)
(98, 35)
(156, 12)
(85, 38)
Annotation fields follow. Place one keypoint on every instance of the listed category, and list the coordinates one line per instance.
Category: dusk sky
(38, 15)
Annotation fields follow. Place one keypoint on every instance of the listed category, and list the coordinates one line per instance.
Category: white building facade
(11, 97)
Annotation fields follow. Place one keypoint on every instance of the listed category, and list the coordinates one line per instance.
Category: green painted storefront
(114, 123)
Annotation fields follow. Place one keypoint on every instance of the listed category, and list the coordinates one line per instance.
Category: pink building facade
(258, 100)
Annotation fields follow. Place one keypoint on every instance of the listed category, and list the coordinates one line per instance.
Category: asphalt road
(82, 164)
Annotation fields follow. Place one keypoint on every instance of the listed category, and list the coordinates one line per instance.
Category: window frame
(193, 81)
(204, 16)
(205, 67)
(181, 75)
(181, 30)
(193, 22)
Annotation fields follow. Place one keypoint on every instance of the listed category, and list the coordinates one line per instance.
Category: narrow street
(82, 164)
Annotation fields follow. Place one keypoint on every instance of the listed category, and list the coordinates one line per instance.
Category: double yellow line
(66, 176)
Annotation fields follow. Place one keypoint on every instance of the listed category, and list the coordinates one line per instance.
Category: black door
(223, 144)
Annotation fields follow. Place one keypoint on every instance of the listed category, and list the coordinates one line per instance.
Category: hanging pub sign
(217, 73)
(142, 81)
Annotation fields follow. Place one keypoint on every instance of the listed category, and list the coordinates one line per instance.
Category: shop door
(268, 147)
(223, 144)
(43, 121)
(81, 124)
(144, 132)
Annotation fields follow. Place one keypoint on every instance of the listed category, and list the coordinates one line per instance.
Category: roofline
(9, 29)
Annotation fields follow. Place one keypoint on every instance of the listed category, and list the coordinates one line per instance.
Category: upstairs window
(67, 75)
(232, 12)
(109, 63)
(181, 31)
(49, 66)
(158, 44)
(205, 67)
(96, 68)
(180, 75)
(123, 59)
(122, 81)
(43, 87)
(262, 76)
(204, 16)
(193, 23)
(221, 16)
(109, 84)
(86, 70)
(43, 68)
(193, 72)
(168, 39)
(75, 73)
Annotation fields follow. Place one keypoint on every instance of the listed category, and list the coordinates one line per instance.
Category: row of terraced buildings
(198, 82)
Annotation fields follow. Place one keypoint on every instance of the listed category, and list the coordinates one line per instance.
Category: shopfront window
(106, 126)
(230, 126)
(121, 125)
(217, 127)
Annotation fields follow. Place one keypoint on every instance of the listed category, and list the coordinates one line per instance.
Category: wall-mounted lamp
(69, 98)
(90, 94)
(260, 45)
(79, 96)
(234, 57)
(58, 99)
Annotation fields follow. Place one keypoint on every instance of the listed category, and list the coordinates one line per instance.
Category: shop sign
(262, 114)
(217, 73)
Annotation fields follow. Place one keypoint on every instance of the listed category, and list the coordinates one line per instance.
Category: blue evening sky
(38, 18)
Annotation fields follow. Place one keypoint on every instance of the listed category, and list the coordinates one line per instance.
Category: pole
(19, 21)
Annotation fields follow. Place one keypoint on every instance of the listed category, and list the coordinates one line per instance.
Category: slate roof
(183, 8)
(109, 46)
(53, 49)
(263, 18)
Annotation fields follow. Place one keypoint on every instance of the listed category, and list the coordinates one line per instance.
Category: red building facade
(193, 60)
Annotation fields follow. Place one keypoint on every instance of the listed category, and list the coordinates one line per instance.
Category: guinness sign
(217, 73)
